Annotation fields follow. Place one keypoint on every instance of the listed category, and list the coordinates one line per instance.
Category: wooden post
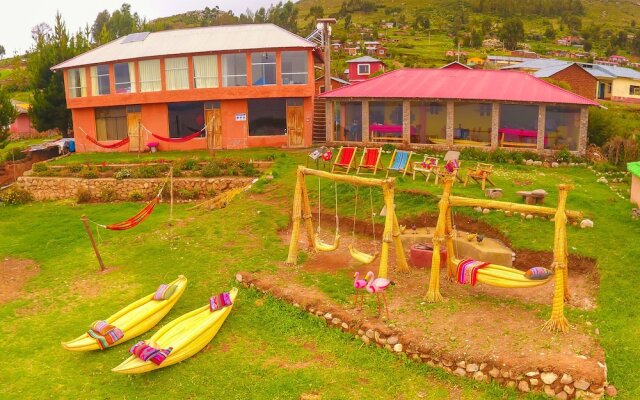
(93, 242)
(388, 231)
(433, 294)
(306, 210)
(171, 194)
(292, 258)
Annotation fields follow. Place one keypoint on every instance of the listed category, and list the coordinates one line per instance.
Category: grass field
(267, 349)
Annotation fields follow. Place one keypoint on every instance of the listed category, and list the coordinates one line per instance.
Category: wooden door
(214, 128)
(295, 126)
(134, 130)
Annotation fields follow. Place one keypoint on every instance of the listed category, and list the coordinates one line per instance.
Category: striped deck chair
(344, 159)
(400, 162)
(370, 160)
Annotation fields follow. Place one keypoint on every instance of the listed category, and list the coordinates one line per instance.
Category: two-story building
(238, 85)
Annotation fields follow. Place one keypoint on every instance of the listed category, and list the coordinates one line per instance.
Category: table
(381, 132)
(520, 134)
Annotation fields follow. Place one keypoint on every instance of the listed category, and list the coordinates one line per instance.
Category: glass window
(347, 124)
(125, 77)
(205, 72)
(186, 119)
(364, 69)
(518, 125)
(263, 68)
(294, 67)
(428, 122)
(100, 84)
(267, 117)
(176, 73)
(634, 90)
(472, 124)
(111, 123)
(562, 127)
(150, 76)
(385, 121)
(234, 70)
(77, 82)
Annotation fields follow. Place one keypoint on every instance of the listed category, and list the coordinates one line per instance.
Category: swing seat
(361, 257)
(321, 246)
(505, 277)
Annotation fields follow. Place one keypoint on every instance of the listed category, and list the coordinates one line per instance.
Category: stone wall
(53, 188)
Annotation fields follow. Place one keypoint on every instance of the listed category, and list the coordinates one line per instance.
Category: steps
(319, 121)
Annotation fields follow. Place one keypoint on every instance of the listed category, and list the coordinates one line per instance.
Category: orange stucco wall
(233, 101)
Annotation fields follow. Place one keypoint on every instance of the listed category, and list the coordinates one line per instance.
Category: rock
(477, 209)
(549, 377)
(459, 372)
(365, 339)
(534, 382)
(586, 223)
(345, 326)
(561, 396)
(568, 389)
(336, 321)
(370, 333)
(447, 363)
(537, 163)
(397, 347)
(472, 367)
(549, 391)
(529, 216)
(554, 165)
(392, 340)
(529, 162)
(360, 332)
(486, 211)
(611, 391)
(495, 372)
(478, 376)
(523, 386)
(532, 373)
(328, 316)
(566, 379)
(511, 384)
(461, 364)
(582, 384)
(602, 179)
(483, 366)
(507, 213)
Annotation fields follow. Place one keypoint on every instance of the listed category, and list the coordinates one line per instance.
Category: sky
(19, 16)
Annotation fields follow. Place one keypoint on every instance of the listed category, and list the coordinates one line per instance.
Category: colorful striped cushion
(108, 338)
(219, 301)
(537, 273)
(164, 292)
(146, 352)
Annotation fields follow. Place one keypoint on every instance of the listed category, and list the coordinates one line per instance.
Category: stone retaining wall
(54, 188)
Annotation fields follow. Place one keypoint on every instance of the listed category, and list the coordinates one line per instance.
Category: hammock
(106, 146)
(177, 140)
(136, 219)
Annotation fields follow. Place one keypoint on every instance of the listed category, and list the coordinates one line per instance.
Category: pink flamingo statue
(377, 286)
(358, 285)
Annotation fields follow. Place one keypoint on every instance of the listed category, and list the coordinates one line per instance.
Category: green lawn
(266, 349)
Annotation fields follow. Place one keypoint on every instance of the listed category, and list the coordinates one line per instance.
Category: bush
(232, 171)
(602, 126)
(89, 173)
(531, 155)
(107, 195)
(136, 196)
(563, 156)
(517, 157)
(211, 170)
(122, 174)
(188, 194)
(83, 196)
(605, 167)
(15, 154)
(40, 167)
(15, 196)
(148, 171)
(472, 153)
(619, 151)
(250, 170)
(188, 165)
(388, 147)
(499, 156)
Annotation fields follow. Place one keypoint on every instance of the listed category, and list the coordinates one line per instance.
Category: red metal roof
(459, 84)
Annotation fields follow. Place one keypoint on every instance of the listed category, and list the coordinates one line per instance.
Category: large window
(234, 70)
(294, 67)
(263, 68)
(111, 123)
(205, 72)
(347, 124)
(385, 121)
(186, 119)
(100, 84)
(472, 124)
(77, 82)
(177, 73)
(150, 76)
(267, 117)
(428, 122)
(518, 125)
(125, 77)
(562, 127)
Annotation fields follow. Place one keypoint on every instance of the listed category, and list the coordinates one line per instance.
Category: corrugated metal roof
(195, 40)
(549, 71)
(364, 59)
(597, 70)
(619, 72)
(459, 84)
(537, 63)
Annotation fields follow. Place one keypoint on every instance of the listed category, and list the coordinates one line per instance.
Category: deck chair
(370, 160)
(426, 167)
(344, 159)
(441, 170)
(480, 174)
(400, 162)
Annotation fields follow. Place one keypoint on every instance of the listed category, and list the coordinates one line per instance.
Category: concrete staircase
(319, 121)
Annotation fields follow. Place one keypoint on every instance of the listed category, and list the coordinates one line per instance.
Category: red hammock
(136, 219)
(177, 140)
(108, 146)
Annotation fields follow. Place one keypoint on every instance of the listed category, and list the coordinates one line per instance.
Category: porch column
(542, 115)
(406, 122)
(329, 126)
(495, 125)
(449, 136)
(582, 135)
(365, 121)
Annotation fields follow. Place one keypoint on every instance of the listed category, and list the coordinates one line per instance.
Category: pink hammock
(108, 146)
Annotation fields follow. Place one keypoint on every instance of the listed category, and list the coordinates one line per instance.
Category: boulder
(586, 223)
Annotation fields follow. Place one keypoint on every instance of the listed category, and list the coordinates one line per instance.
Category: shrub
(75, 168)
(531, 155)
(232, 171)
(188, 194)
(516, 157)
(499, 156)
(211, 170)
(602, 126)
(136, 196)
(83, 196)
(472, 153)
(107, 195)
(40, 167)
(605, 167)
(249, 170)
(563, 156)
(188, 165)
(388, 147)
(15, 196)
(122, 174)
(89, 173)
(619, 151)
(15, 154)
(147, 171)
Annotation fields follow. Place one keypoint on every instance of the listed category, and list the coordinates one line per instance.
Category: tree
(512, 32)
(550, 33)
(587, 45)
(2, 51)
(422, 21)
(98, 25)
(316, 12)
(8, 114)
(347, 22)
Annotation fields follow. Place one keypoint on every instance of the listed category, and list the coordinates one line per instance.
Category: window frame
(73, 90)
(203, 133)
(122, 117)
(132, 82)
(225, 75)
(634, 90)
(263, 64)
(284, 74)
(368, 72)
(213, 78)
(96, 79)
(255, 102)
(150, 82)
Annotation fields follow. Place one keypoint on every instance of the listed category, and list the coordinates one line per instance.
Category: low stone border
(561, 386)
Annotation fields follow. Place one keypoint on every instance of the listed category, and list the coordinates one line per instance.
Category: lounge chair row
(370, 161)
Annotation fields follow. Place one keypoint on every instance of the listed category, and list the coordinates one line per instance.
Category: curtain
(132, 76)
(77, 82)
(177, 73)
(94, 81)
(205, 71)
(150, 76)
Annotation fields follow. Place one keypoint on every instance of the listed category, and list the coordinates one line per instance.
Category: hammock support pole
(93, 242)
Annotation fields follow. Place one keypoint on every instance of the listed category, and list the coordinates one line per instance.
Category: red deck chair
(370, 160)
(344, 159)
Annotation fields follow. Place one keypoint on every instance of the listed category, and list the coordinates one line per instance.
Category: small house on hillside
(455, 65)
(475, 61)
(580, 81)
(361, 68)
(21, 128)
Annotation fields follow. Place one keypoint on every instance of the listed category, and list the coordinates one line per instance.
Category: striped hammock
(108, 146)
(136, 219)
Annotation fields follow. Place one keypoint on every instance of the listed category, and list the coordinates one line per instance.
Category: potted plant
(153, 146)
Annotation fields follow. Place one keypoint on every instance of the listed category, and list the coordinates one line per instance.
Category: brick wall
(581, 82)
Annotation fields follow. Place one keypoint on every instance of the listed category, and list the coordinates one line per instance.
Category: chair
(370, 160)
(481, 174)
(426, 167)
(400, 162)
(452, 162)
(344, 159)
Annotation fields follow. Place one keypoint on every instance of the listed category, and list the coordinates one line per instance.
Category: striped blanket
(219, 301)
(146, 352)
(105, 334)
(164, 292)
(467, 272)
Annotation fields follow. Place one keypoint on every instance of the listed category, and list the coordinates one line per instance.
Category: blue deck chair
(400, 162)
